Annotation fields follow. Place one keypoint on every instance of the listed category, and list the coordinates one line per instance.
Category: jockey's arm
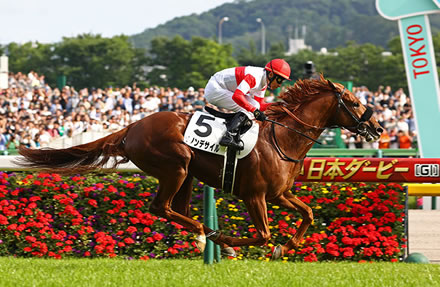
(263, 104)
(242, 89)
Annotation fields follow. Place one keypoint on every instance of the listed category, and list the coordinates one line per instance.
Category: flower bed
(46, 215)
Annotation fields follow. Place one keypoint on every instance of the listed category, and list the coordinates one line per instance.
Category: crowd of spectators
(33, 114)
(393, 110)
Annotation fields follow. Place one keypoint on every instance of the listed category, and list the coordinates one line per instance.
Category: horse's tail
(77, 159)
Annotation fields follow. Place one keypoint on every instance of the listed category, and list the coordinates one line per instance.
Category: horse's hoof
(229, 251)
(277, 252)
(201, 242)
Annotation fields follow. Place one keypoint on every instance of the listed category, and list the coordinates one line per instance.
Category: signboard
(370, 170)
(420, 65)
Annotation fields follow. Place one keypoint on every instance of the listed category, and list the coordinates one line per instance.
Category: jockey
(242, 89)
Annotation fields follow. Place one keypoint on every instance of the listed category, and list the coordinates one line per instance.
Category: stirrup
(229, 141)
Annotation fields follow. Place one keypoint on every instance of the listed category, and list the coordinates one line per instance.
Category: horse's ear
(330, 83)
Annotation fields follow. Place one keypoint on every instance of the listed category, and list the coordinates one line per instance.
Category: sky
(47, 21)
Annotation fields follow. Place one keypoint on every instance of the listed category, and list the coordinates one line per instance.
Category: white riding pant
(222, 98)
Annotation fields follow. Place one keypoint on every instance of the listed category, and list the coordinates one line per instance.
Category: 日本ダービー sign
(370, 170)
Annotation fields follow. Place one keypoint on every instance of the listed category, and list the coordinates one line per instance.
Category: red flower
(347, 240)
(128, 240)
(347, 252)
(34, 198)
(99, 186)
(157, 237)
(282, 224)
(131, 229)
(311, 258)
(111, 188)
(134, 220)
(12, 226)
(332, 249)
(93, 202)
(30, 239)
(3, 220)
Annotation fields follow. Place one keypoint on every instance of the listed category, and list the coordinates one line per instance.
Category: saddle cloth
(204, 132)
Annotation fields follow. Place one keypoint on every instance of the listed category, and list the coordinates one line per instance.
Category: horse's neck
(316, 113)
(294, 144)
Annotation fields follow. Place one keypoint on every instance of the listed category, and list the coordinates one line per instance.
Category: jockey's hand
(259, 115)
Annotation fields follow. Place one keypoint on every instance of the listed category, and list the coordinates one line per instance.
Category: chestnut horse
(155, 145)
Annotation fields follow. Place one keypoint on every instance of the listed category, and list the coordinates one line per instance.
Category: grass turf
(118, 272)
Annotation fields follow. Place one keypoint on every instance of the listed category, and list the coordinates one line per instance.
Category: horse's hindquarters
(155, 144)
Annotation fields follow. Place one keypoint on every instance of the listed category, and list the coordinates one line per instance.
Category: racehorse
(156, 145)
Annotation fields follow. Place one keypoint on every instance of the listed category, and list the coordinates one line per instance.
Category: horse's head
(352, 115)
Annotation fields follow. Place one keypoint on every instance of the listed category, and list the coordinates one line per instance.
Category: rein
(278, 149)
(294, 130)
(292, 115)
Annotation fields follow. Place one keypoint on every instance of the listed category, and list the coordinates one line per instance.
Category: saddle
(228, 117)
(204, 131)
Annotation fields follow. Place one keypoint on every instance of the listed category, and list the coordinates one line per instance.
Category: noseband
(361, 126)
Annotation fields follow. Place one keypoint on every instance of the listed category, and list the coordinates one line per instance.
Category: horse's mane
(303, 91)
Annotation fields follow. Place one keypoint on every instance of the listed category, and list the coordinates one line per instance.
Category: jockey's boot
(233, 127)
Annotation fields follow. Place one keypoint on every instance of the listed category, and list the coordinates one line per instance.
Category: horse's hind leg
(181, 200)
(292, 202)
(161, 204)
(181, 205)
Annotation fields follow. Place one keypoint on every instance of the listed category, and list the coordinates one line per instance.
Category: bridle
(361, 127)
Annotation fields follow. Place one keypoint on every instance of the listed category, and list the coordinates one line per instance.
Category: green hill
(329, 23)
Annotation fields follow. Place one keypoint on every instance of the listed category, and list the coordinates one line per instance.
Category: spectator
(3, 140)
(199, 104)
(384, 140)
(402, 125)
(128, 102)
(404, 139)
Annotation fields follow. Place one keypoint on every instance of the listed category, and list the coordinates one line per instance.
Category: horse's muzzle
(368, 132)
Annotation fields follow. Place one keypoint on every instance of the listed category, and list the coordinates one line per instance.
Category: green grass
(116, 272)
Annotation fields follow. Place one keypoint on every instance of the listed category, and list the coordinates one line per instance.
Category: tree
(93, 61)
(251, 57)
(181, 63)
(30, 57)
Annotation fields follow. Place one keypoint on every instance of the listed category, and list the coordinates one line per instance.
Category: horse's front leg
(292, 202)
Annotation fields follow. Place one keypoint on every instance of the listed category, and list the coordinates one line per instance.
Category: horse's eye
(356, 105)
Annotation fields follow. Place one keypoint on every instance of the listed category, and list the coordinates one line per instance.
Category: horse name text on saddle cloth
(204, 132)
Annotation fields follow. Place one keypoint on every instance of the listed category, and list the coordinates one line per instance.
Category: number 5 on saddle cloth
(204, 132)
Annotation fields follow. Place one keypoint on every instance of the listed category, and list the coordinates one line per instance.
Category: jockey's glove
(259, 115)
